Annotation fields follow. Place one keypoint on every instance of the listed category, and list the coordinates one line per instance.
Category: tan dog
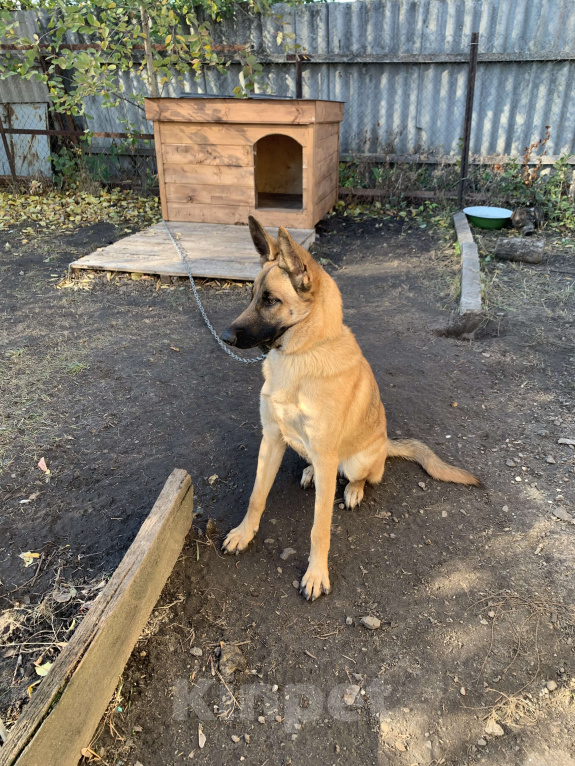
(319, 396)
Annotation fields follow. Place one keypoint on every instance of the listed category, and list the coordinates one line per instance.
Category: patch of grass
(15, 353)
(75, 368)
(25, 379)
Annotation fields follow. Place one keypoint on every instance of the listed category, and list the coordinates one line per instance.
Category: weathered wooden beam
(65, 710)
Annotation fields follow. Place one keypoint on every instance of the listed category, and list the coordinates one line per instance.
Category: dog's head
(282, 294)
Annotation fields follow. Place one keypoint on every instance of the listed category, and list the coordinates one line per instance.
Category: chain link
(181, 250)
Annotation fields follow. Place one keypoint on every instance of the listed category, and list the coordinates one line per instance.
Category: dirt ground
(116, 382)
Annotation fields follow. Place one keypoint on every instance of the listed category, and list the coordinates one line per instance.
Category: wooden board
(227, 135)
(209, 154)
(64, 712)
(214, 250)
(223, 175)
(210, 194)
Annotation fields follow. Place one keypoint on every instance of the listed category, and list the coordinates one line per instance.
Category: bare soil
(115, 382)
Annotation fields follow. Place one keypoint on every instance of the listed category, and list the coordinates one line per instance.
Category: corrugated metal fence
(401, 67)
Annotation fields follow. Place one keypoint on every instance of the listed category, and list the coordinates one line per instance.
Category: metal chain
(181, 250)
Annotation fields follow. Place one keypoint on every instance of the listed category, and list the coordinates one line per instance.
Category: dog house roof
(254, 96)
(259, 110)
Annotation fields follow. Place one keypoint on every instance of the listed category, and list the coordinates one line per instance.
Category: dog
(319, 397)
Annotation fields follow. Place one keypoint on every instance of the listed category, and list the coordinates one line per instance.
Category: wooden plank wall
(212, 167)
(326, 168)
(206, 171)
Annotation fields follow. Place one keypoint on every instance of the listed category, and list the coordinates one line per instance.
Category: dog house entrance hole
(279, 173)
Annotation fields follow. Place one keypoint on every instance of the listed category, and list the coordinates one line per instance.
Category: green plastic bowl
(488, 217)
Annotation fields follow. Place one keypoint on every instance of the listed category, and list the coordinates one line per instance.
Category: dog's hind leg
(364, 466)
(307, 477)
(353, 493)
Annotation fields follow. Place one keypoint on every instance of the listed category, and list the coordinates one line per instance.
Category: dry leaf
(42, 465)
(201, 737)
(64, 593)
(212, 480)
(28, 558)
(43, 670)
(174, 348)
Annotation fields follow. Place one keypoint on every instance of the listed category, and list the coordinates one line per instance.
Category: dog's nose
(229, 337)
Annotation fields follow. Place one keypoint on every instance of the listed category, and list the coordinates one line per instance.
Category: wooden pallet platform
(215, 251)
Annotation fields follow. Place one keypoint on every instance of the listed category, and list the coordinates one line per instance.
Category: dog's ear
(266, 246)
(294, 263)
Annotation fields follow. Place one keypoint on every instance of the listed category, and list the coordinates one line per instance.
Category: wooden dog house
(222, 159)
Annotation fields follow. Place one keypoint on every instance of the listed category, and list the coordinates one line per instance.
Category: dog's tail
(411, 449)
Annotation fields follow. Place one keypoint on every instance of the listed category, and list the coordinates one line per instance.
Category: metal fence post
(467, 122)
(8, 153)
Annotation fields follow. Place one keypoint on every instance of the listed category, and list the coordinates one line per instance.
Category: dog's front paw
(238, 539)
(307, 477)
(315, 582)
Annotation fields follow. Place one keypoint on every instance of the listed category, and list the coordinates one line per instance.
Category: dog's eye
(271, 301)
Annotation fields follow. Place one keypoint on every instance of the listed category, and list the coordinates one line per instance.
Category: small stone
(275, 687)
(483, 621)
(137, 729)
(551, 685)
(349, 620)
(286, 553)
(235, 738)
(481, 742)
(510, 463)
(443, 514)
(421, 484)
(295, 583)
(247, 739)
(550, 459)
(350, 694)
(462, 691)
(280, 570)
(196, 651)
(201, 737)
(571, 442)
(269, 541)
(491, 614)
(561, 513)
(341, 506)
(494, 728)
(261, 719)
(505, 508)
(372, 623)
(399, 745)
